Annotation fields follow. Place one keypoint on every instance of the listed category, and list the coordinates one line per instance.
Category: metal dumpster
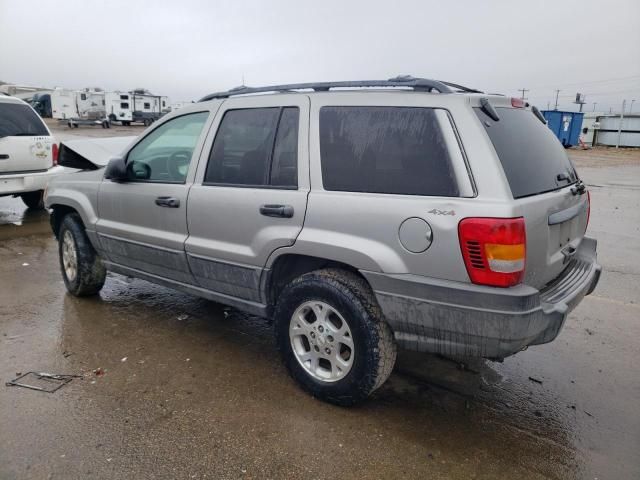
(565, 125)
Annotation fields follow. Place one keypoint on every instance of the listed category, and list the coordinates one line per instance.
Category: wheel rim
(321, 341)
(69, 256)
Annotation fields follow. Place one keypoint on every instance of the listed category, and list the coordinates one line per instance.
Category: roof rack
(407, 81)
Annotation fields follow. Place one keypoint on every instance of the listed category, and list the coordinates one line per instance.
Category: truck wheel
(332, 336)
(33, 200)
(82, 269)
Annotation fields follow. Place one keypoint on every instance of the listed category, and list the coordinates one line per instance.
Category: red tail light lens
(517, 103)
(494, 250)
(54, 153)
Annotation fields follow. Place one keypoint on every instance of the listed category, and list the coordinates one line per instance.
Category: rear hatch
(25, 141)
(545, 187)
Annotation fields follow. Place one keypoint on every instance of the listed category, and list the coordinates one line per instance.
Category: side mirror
(116, 170)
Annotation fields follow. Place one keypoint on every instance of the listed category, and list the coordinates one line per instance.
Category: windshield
(17, 119)
(533, 159)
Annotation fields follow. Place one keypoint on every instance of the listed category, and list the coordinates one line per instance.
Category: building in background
(611, 132)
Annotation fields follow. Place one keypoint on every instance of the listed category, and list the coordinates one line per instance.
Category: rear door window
(533, 159)
(19, 119)
(394, 150)
(256, 147)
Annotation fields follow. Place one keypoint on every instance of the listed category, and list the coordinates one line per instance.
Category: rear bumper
(463, 319)
(22, 182)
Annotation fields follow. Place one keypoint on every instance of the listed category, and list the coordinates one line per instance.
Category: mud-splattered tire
(82, 269)
(33, 200)
(348, 298)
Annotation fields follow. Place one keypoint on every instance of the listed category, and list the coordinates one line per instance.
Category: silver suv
(358, 216)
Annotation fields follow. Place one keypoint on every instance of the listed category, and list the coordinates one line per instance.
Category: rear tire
(349, 363)
(82, 269)
(33, 200)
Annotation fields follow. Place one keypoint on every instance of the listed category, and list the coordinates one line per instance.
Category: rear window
(394, 150)
(19, 119)
(531, 156)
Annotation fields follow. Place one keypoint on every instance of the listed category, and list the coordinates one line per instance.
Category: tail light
(517, 102)
(494, 250)
(54, 153)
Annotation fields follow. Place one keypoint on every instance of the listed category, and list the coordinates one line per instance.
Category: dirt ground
(191, 389)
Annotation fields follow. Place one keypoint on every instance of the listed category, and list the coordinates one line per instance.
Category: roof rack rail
(407, 81)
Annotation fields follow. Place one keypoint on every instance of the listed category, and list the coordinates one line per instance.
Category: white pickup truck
(28, 152)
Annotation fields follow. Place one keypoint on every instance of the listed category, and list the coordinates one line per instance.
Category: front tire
(82, 269)
(33, 200)
(332, 336)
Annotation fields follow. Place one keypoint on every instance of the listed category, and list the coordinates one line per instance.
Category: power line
(589, 82)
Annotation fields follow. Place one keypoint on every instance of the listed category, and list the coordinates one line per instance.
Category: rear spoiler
(91, 153)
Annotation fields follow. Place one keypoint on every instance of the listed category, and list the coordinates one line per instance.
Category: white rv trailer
(135, 106)
(79, 107)
(119, 107)
(63, 104)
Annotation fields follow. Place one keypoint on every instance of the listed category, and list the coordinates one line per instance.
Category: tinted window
(147, 106)
(385, 150)
(531, 156)
(165, 154)
(19, 119)
(245, 145)
(284, 168)
(124, 105)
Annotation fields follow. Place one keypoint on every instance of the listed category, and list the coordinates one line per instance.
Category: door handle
(169, 202)
(283, 211)
(4, 156)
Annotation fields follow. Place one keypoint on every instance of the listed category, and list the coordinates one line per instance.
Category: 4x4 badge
(435, 211)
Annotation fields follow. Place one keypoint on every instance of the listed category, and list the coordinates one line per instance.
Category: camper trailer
(148, 108)
(63, 104)
(87, 104)
(135, 106)
(119, 107)
(91, 105)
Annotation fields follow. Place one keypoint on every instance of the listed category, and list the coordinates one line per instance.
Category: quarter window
(256, 147)
(394, 150)
(165, 154)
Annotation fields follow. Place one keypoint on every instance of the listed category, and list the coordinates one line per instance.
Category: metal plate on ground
(43, 382)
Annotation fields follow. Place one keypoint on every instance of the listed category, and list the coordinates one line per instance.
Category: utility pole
(620, 125)
(523, 90)
(548, 105)
(594, 106)
(557, 93)
(631, 107)
(580, 100)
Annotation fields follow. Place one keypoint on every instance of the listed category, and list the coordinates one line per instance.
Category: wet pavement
(191, 389)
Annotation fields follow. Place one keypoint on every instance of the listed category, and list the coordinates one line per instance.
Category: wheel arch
(58, 212)
(288, 266)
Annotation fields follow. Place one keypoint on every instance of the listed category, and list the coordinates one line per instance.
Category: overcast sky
(186, 49)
